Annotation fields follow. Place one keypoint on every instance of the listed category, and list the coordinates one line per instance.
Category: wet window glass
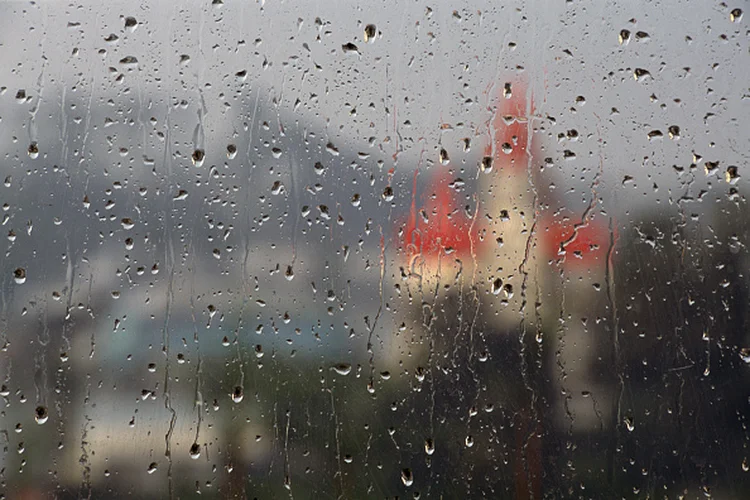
(479, 249)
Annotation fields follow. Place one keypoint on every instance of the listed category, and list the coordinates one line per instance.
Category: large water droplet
(406, 477)
(238, 394)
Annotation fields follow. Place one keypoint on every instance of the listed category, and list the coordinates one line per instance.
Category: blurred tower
(506, 194)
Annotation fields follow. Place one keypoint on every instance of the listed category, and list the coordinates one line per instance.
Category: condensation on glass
(374, 250)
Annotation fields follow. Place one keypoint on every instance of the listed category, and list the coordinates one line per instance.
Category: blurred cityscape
(258, 251)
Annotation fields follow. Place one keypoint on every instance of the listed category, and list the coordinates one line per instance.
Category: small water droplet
(711, 167)
(732, 175)
(41, 415)
(508, 290)
(370, 32)
(19, 275)
(444, 158)
(624, 36)
(485, 165)
(231, 151)
(429, 446)
(655, 134)
(469, 441)
(130, 23)
(629, 424)
(641, 74)
(277, 188)
(342, 368)
(735, 15)
(33, 151)
(238, 395)
(350, 48)
(130, 62)
(388, 193)
(198, 156)
(195, 451)
(152, 468)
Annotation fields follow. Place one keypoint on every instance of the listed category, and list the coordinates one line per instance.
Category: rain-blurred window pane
(481, 249)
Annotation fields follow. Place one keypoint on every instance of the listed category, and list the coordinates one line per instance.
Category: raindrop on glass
(238, 394)
(19, 275)
(41, 415)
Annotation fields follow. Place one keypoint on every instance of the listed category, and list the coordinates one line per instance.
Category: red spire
(509, 126)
